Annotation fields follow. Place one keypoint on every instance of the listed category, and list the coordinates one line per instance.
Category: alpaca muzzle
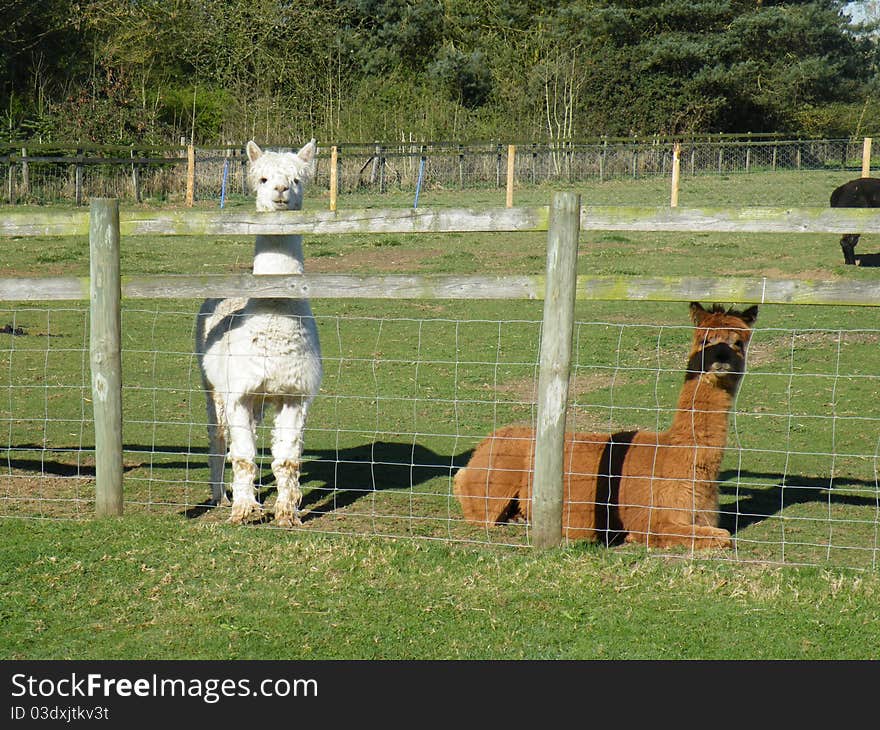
(718, 358)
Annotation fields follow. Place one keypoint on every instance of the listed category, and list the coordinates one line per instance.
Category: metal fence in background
(40, 173)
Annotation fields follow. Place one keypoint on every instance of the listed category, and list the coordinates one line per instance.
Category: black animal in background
(863, 192)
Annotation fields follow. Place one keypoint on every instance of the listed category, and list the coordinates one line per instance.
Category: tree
(378, 36)
(45, 53)
(717, 65)
(221, 70)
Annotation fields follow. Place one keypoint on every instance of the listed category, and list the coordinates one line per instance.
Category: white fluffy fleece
(261, 353)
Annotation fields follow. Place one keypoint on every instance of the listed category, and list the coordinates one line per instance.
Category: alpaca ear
(750, 315)
(307, 151)
(253, 151)
(697, 312)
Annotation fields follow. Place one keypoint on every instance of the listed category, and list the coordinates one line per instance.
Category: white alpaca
(255, 353)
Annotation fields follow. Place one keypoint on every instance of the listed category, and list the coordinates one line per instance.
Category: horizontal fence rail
(179, 223)
(381, 221)
(348, 286)
(424, 220)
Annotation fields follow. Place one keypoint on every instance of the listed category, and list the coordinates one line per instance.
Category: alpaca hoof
(288, 521)
(717, 537)
(638, 539)
(243, 511)
(287, 516)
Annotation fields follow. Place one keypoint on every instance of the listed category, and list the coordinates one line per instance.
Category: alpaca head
(278, 177)
(718, 350)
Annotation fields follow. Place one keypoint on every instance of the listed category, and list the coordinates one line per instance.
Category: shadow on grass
(59, 468)
(350, 474)
(333, 479)
(755, 504)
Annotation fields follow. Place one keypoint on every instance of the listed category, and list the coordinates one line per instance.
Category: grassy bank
(154, 588)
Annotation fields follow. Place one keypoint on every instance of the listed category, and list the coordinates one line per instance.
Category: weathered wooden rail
(343, 286)
(104, 225)
(535, 219)
(37, 222)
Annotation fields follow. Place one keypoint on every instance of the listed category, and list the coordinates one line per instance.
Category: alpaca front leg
(217, 448)
(287, 447)
(242, 454)
(848, 244)
(287, 512)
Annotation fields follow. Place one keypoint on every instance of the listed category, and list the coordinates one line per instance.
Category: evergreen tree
(717, 65)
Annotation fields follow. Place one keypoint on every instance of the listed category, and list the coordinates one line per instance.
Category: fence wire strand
(406, 398)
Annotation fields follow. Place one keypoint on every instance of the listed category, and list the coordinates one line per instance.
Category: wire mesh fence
(405, 399)
(44, 174)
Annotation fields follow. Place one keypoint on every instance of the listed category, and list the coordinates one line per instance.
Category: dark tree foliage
(371, 69)
(717, 65)
(380, 35)
(465, 76)
(43, 51)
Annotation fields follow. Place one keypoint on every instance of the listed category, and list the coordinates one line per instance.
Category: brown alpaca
(654, 488)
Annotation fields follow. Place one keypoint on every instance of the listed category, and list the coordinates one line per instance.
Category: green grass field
(409, 388)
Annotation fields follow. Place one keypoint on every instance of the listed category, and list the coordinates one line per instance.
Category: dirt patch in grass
(38, 495)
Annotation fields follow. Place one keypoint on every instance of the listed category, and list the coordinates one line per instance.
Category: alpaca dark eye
(296, 181)
(263, 180)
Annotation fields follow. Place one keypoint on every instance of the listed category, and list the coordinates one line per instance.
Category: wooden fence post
(105, 356)
(866, 157)
(78, 178)
(334, 176)
(25, 174)
(135, 180)
(676, 173)
(190, 175)
(555, 367)
(511, 159)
